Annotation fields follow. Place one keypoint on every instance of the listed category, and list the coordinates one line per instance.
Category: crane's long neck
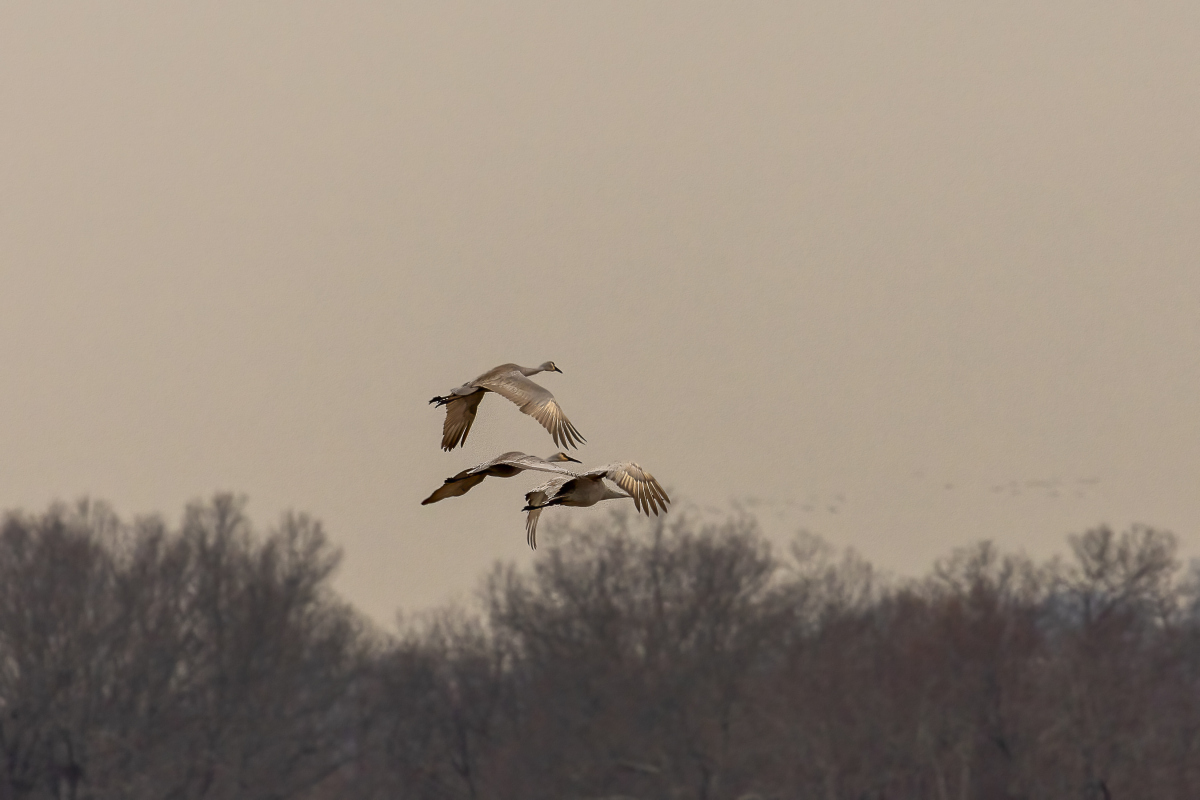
(529, 372)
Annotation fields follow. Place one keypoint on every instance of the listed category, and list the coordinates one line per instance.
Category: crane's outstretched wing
(535, 500)
(646, 492)
(518, 461)
(454, 487)
(504, 465)
(535, 401)
(460, 415)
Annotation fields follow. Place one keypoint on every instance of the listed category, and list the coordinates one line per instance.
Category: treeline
(675, 659)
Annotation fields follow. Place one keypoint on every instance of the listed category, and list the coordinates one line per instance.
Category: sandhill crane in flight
(502, 466)
(589, 488)
(510, 381)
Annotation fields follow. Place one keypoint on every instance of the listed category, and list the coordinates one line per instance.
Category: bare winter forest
(678, 659)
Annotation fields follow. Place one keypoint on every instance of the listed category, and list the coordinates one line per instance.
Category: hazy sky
(869, 263)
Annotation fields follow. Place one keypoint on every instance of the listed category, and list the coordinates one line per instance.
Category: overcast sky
(906, 275)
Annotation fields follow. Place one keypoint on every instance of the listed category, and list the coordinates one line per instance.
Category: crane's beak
(576, 460)
(559, 371)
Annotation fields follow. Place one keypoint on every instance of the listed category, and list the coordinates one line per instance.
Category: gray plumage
(504, 465)
(510, 381)
(589, 488)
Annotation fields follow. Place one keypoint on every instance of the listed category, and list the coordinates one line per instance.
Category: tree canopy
(674, 658)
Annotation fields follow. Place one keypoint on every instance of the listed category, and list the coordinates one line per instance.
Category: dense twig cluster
(140, 662)
(688, 660)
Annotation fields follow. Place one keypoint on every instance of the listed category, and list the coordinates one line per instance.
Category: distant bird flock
(567, 488)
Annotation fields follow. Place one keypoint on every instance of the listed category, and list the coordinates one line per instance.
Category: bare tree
(640, 648)
(674, 659)
(141, 663)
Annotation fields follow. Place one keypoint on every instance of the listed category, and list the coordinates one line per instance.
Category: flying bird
(502, 466)
(512, 382)
(589, 488)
